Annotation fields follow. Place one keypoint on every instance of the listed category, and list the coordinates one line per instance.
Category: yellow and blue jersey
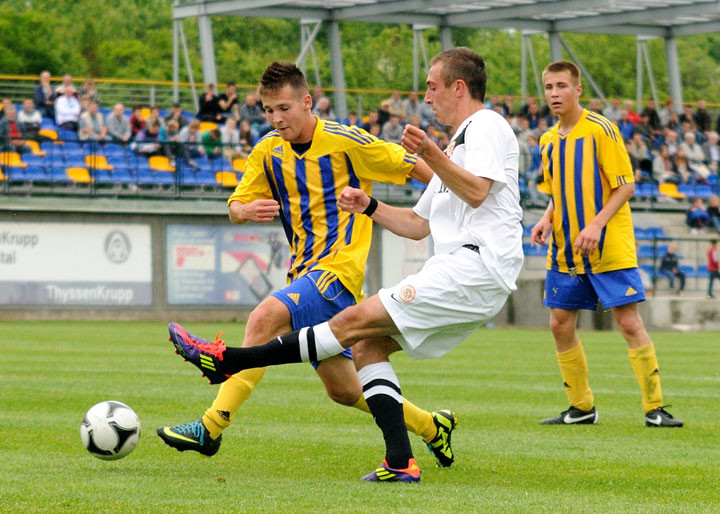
(583, 167)
(321, 236)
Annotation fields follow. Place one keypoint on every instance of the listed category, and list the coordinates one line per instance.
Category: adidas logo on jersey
(295, 297)
(630, 291)
(278, 150)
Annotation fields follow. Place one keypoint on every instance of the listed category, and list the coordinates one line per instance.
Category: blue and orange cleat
(385, 473)
(205, 355)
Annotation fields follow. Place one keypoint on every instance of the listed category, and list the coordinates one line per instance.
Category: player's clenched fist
(260, 211)
(414, 139)
(353, 200)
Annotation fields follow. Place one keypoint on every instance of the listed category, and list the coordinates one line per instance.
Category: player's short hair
(281, 74)
(560, 66)
(461, 63)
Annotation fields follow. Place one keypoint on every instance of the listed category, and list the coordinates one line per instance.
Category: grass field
(292, 450)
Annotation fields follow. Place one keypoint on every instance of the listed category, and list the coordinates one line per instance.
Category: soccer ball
(110, 430)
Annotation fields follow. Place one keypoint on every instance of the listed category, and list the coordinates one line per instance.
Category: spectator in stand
(209, 105)
(415, 121)
(384, 113)
(695, 157)
(701, 117)
(664, 113)
(89, 90)
(412, 106)
(317, 94)
(148, 140)
(155, 116)
(443, 140)
(247, 141)
(542, 127)
(612, 111)
(211, 143)
(118, 126)
(670, 140)
(190, 137)
(712, 152)
(397, 105)
(230, 139)
(253, 112)
(533, 115)
(170, 141)
(632, 116)
(67, 110)
(687, 114)
(713, 256)
(137, 122)
(228, 102)
(595, 106)
(663, 168)
(177, 115)
(44, 96)
(67, 82)
(713, 211)
(372, 119)
(523, 130)
(6, 102)
(427, 116)
(508, 109)
(92, 125)
(323, 110)
(639, 149)
(674, 121)
(669, 267)
(643, 127)
(392, 131)
(653, 118)
(351, 120)
(682, 168)
(29, 119)
(634, 163)
(375, 130)
(10, 134)
(534, 172)
(84, 104)
(697, 217)
(432, 133)
(627, 129)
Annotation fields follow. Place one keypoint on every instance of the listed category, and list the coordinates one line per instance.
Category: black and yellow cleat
(445, 422)
(190, 436)
(661, 418)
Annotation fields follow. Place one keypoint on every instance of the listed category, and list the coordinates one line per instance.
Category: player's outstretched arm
(259, 211)
(470, 188)
(400, 220)
(542, 228)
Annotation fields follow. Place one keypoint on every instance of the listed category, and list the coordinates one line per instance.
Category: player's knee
(258, 322)
(630, 324)
(561, 326)
(343, 394)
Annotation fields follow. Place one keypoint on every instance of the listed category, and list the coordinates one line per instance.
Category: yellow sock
(645, 365)
(233, 392)
(574, 372)
(417, 421)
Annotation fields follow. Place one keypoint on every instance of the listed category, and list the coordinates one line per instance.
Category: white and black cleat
(573, 416)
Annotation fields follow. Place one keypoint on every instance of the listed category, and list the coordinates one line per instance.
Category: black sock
(388, 414)
(281, 350)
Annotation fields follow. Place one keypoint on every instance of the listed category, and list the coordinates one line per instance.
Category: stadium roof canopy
(646, 18)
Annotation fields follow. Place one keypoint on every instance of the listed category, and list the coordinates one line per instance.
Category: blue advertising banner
(224, 265)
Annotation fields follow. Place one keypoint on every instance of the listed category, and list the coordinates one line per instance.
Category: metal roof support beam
(638, 78)
(673, 71)
(555, 46)
(307, 39)
(585, 73)
(446, 41)
(338, 73)
(191, 77)
(176, 61)
(207, 49)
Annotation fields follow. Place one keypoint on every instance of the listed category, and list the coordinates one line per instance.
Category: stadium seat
(145, 112)
(671, 190)
(78, 175)
(36, 173)
(15, 174)
(702, 271)
(640, 233)
(35, 147)
(102, 176)
(11, 159)
(160, 163)
(227, 178)
(649, 269)
(687, 190)
(32, 159)
(98, 162)
(207, 125)
(645, 252)
(713, 180)
(2, 176)
(163, 177)
(239, 163)
(655, 232)
(703, 191)
(48, 133)
(688, 270)
(205, 178)
(544, 188)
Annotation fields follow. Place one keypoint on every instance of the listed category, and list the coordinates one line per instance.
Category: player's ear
(460, 88)
(307, 101)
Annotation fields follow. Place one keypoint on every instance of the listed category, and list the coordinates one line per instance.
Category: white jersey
(485, 145)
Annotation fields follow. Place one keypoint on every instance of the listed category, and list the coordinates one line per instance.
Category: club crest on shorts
(407, 294)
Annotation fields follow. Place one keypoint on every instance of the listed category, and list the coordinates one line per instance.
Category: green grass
(292, 450)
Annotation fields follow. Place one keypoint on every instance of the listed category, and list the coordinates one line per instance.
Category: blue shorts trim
(612, 288)
(315, 298)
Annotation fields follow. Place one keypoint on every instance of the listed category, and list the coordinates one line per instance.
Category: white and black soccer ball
(110, 430)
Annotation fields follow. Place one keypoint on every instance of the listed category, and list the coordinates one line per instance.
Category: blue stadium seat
(654, 232)
(648, 268)
(645, 252)
(36, 173)
(640, 233)
(687, 190)
(122, 176)
(164, 177)
(206, 178)
(58, 174)
(702, 271)
(187, 177)
(526, 230)
(713, 180)
(14, 174)
(688, 270)
(102, 176)
(703, 191)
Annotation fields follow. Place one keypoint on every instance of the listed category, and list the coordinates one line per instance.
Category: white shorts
(437, 308)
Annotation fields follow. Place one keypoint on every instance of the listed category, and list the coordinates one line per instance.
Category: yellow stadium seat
(671, 190)
(2, 177)
(48, 133)
(544, 188)
(207, 125)
(80, 175)
(160, 163)
(239, 164)
(98, 162)
(145, 113)
(12, 159)
(227, 178)
(35, 148)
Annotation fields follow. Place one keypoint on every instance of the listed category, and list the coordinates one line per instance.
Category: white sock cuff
(326, 344)
(375, 379)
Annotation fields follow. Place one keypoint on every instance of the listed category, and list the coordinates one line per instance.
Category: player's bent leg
(643, 360)
(340, 379)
